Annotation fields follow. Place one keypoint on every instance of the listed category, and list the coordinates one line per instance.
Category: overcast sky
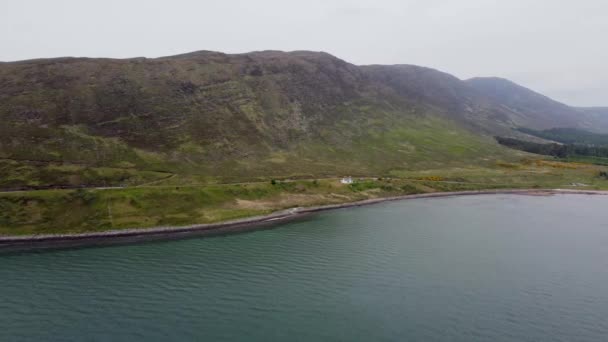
(557, 47)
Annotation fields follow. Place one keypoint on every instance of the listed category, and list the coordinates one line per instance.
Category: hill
(598, 116)
(533, 110)
(221, 117)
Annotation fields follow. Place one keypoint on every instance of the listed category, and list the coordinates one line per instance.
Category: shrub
(84, 195)
(387, 188)
(362, 186)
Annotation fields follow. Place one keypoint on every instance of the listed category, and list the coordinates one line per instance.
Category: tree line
(569, 136)
(553, 149)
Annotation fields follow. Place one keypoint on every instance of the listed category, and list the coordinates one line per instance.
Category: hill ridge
(251, 114)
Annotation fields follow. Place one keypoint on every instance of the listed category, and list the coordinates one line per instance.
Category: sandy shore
(9, 243)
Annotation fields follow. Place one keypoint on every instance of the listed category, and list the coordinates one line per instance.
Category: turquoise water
(477, 268)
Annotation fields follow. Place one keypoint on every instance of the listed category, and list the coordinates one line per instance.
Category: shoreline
(132, 235)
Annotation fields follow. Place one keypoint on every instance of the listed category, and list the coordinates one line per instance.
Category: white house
(347, 180)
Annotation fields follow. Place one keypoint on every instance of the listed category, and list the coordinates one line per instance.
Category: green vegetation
(557, 150)
(62, 211)
(586, 159)
(569, 136)
(17, 175)
(205, 137)
(374, 145)
(575, 145)
(73, 211)
(527, 174)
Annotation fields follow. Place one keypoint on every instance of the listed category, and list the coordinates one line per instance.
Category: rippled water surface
(478, 268)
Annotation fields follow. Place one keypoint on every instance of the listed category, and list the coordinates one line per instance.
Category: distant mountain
(455, 99)
(597, 118)
(252, 115)
(595, 110)
(533, 110)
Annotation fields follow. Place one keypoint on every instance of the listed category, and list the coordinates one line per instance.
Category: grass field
(175, 202)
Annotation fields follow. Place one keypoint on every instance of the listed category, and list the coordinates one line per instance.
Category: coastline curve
(134, 235)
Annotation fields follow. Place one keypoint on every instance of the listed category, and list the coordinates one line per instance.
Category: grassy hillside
(104, 122)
